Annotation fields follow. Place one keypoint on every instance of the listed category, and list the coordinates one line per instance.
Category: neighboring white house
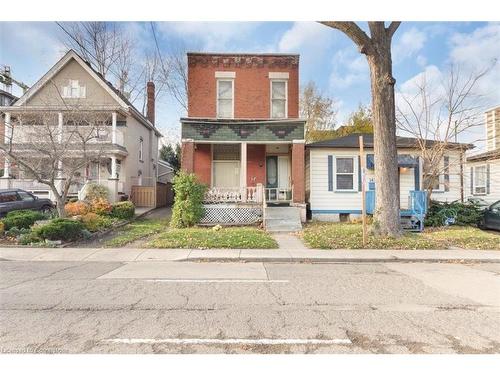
(333, 175)
(484, 168)
(127, 143)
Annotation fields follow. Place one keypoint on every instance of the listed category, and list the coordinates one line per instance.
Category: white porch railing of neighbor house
(251, 194)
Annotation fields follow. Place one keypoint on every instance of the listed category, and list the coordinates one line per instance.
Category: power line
(165, 71)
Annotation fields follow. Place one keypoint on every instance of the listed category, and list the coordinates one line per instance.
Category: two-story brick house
(243, 136)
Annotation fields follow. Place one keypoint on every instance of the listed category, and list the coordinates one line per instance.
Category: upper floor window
(141, 149)
(279, 98)
(225, 98)
(73, 90)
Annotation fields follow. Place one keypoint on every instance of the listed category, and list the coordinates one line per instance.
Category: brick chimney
(150, 115)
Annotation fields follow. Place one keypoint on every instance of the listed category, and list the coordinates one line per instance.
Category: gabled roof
(106, 85)
(352, 141)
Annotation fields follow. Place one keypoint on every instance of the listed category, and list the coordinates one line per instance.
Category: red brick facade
(252, 76)
(251, 84)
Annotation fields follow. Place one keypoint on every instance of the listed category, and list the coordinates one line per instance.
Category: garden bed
(320, 235)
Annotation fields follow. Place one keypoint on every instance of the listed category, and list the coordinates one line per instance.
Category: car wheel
(46, 209)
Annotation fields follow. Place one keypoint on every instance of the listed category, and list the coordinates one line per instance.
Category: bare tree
(441, 111)
(377, 48)
(177, 78)
(52, 152)
(318, 110)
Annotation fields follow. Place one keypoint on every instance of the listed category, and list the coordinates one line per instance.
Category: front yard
(156, 233)
(349, 236)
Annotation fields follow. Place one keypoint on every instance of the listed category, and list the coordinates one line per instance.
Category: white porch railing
(279, 195)
(251, 194)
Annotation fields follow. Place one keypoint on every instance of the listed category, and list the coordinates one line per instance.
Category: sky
(327, 57)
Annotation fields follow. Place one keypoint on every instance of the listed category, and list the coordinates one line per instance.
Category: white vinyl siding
(279, 98)
(494, 181)
(320, 198)
(225, 98)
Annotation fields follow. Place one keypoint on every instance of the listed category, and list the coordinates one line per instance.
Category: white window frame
(67, 90)
(474, 180)
(271, 81)
(354, 172)
(141, 149)
(232, 96)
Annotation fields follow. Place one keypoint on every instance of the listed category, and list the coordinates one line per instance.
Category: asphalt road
(161, 307)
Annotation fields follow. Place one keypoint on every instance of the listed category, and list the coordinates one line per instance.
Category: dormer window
(73, 90)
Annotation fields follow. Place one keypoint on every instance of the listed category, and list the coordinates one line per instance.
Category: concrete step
(282, 219)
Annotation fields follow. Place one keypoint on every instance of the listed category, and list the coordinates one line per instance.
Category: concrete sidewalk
(245, 255)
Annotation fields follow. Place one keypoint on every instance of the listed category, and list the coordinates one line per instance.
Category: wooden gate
(143, 196)
(148, 196)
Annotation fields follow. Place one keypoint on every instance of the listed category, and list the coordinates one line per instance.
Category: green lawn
(137, 230)
(206, 238)
(349, 236)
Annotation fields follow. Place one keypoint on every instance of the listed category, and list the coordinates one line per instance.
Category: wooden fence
(149, 196)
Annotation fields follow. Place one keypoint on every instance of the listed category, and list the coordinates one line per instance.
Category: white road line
(213, 281)
(233, 341)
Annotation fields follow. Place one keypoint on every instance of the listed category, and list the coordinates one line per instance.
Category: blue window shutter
(360, 187)
(446, 173)
(330, 173)
(471, 180)
(416, 172)
(487, 178)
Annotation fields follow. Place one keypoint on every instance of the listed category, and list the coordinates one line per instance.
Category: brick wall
(256, 164)
(203, 163)
(251, 86)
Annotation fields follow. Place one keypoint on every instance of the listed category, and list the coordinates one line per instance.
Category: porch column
(187, 155)
(243, 171)
(113, 182)
(60, 127)
(113, 167)
(7, 140)
(113, 128)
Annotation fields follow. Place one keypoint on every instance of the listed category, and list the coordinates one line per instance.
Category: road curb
(336, 260)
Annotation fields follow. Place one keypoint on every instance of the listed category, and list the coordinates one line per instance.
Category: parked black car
(17, 199)
(491, 217)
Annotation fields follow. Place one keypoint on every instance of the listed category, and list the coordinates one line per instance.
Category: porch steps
(282, 219)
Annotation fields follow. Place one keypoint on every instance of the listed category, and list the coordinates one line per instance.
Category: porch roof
(95, 148)
(241, 130)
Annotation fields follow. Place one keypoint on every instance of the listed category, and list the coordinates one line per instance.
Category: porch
(247, 173)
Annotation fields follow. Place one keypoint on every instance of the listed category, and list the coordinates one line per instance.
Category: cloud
(214, 36)
(476, 51)
(408, 44)
(305, 35)
(349, 68)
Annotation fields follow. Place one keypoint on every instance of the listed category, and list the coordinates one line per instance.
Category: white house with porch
(124, 148)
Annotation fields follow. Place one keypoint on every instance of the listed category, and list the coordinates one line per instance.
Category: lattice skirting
(231, 214)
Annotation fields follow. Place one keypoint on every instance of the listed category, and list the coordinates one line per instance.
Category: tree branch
(355, 33)
(392, 28)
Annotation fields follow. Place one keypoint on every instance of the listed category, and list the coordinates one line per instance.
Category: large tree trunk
(386, 216)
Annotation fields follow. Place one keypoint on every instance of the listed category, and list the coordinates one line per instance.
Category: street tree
(377, 49)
